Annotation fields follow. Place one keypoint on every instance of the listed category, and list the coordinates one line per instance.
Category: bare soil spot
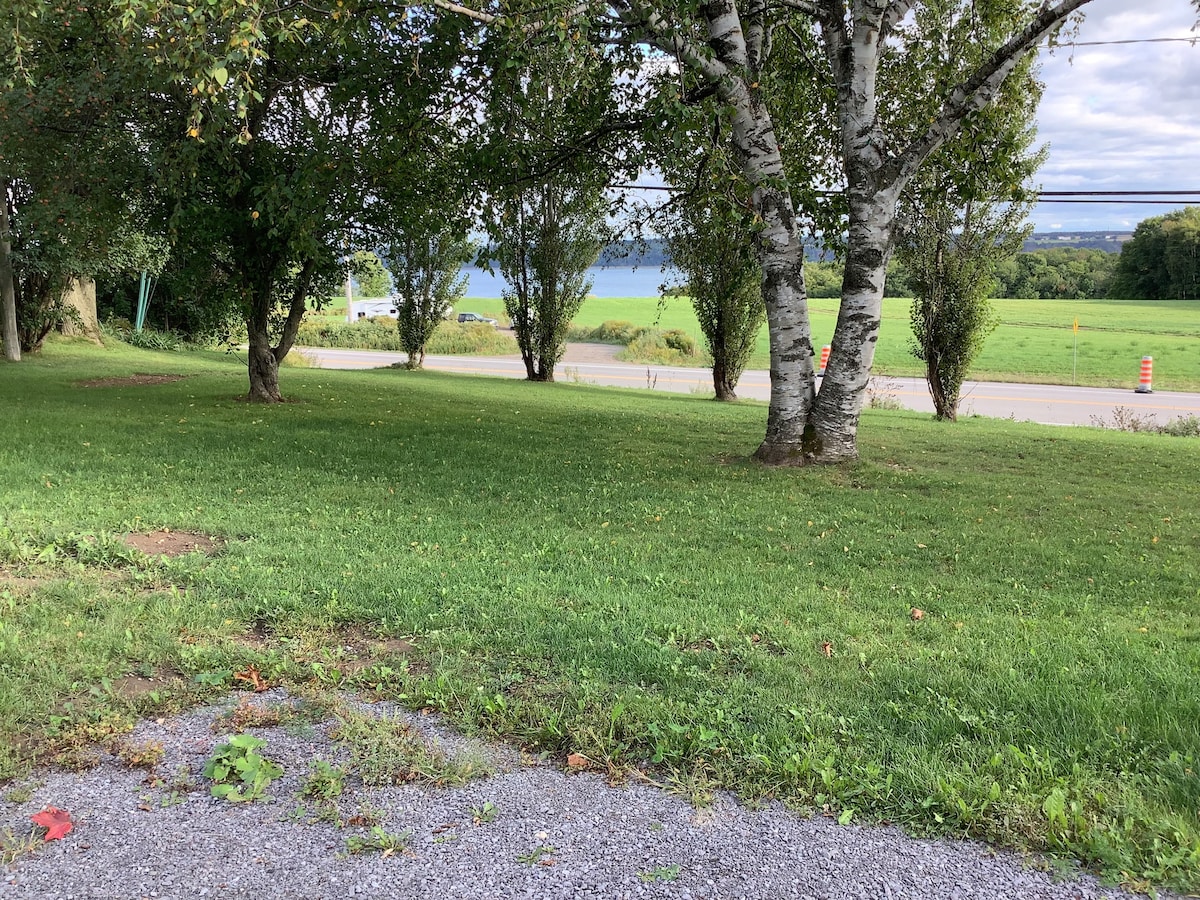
(364, 655)
(18, 584)
(134, 687)
(136, 379)
(172, 543)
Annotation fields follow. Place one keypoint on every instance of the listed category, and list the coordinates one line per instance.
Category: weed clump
(389, 751)
(1126, 419)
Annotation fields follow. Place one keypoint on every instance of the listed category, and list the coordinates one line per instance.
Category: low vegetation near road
(988, 629)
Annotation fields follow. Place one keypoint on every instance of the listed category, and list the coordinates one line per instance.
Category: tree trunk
(8, 292)
(781, 252)
(263, 367)
(530, 368)
(848, 372)
(264, 360)
(81, 296)
(721, 383)
(945, 407)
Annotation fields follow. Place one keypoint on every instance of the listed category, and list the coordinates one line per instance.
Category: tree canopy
(1162, 259)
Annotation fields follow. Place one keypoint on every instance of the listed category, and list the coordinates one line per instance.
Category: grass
(586, 571)
(1034, 342)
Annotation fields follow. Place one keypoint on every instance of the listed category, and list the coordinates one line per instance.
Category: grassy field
(1034, 342)
(599, 571)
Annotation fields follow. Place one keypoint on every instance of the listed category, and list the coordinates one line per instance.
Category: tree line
(245, 150)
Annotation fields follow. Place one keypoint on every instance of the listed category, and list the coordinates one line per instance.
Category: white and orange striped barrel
(1147, 375)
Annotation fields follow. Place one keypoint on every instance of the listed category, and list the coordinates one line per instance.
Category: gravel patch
(553, 835)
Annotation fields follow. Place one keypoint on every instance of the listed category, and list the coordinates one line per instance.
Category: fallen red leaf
(917, 614)
(251, 676)
(827, 649)
(578, 761)
(57, 822)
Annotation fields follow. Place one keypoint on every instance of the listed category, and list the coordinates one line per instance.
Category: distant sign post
(1075, 354)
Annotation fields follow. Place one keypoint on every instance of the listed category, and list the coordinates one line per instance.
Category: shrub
(146, 339)
(653, 347)
(376, 333)
(381, 333)
(1184, 426)
(680, 340)
(615, 332)
(471, 338)
(1125, 419)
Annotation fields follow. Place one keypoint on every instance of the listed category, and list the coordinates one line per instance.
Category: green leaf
(221, 75)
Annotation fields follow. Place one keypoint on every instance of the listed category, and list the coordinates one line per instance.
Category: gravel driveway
(550, 834)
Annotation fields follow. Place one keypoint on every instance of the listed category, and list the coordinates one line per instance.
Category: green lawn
(1033, 343)
(601, 571)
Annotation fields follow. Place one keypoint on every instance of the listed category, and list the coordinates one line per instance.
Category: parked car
(476, 317)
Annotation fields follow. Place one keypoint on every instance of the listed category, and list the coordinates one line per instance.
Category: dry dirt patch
(134, 687)
(137, 378)
(171, 543)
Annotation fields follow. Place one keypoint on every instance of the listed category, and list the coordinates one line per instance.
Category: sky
(1121, 117)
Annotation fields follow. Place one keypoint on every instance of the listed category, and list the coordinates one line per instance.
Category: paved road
(1050, 404)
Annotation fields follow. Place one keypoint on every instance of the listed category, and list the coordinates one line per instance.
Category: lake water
(607, 281)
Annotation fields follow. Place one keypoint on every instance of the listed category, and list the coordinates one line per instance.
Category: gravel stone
(136, 840)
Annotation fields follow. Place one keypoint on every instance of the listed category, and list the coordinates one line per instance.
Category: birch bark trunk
(781, 253)
(848, 373)
(8, 292)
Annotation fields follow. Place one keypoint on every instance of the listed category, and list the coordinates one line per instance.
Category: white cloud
(1121, 117)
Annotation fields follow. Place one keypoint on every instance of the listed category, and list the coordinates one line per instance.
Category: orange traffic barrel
(824, 360)
(1147, 371)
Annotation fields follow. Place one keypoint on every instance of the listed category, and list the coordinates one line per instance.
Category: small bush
(654, 347)
(680, 340)
(615, 332)
(1184, 426)
(299, 359)
(471, 338)
(152, 339)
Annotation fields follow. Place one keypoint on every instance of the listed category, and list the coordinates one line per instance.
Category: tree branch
(979, 89)
(807, 7)
(892, 16)
(295, 311)
(659, 33)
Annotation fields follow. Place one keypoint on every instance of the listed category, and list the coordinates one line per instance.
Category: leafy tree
(1162, 259)
(373, 279)
(550, 233)
(548, 212)
(1181, 234)
(289, 151)
(1067, 273)
(710, 236)
(951, 231)
(426, 263)
(73, 178)
(888, 118)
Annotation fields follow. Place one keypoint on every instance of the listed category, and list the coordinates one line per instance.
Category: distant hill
(653, 252)
(1108, 241)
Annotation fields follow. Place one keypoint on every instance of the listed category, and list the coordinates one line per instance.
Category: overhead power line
(1162, 40)
(1042, 196)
